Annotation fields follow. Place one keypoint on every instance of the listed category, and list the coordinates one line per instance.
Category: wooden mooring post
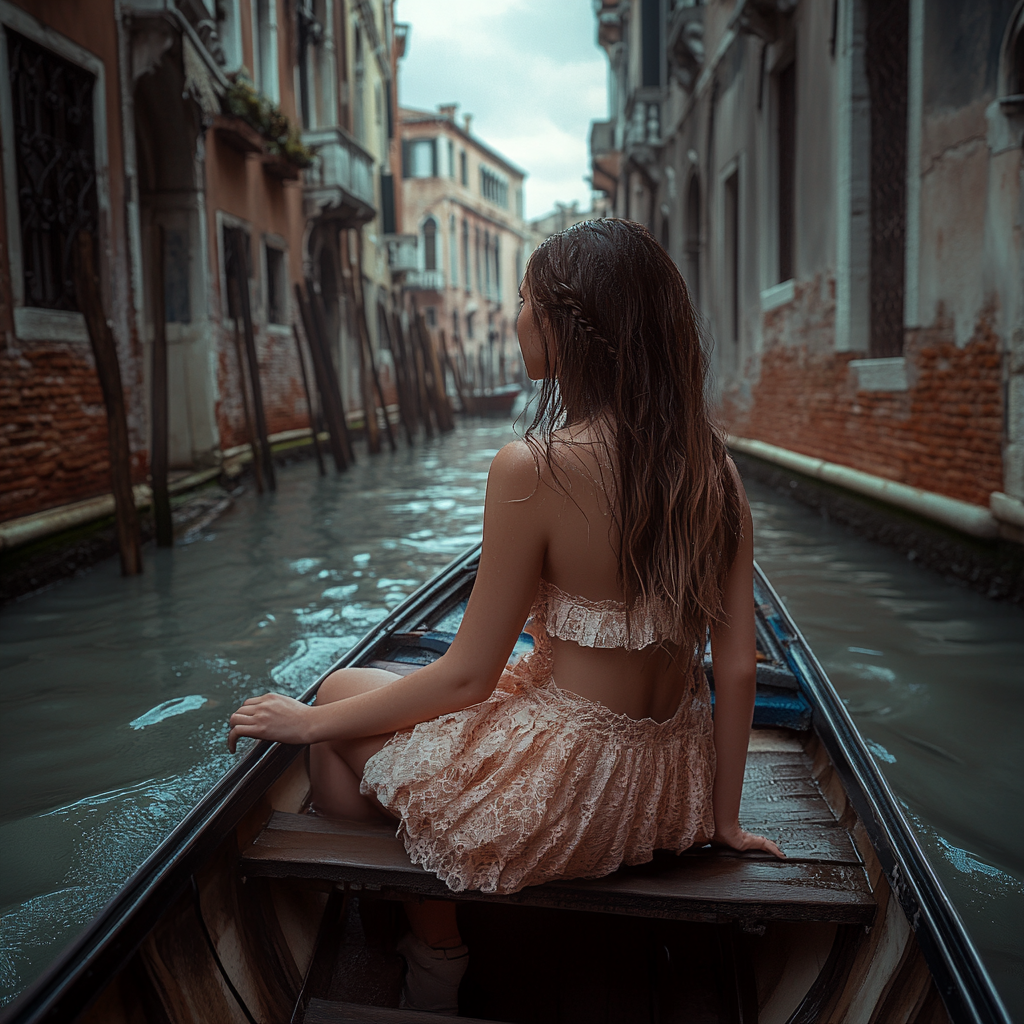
(326, 380)
(250, 432)
(158, 404)
(104, 350)
(309, 402)
(364, 332)
(242, 278)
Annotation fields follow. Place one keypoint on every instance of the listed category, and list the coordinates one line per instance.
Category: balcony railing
(403, 252)
(339, 185)
(425, 280)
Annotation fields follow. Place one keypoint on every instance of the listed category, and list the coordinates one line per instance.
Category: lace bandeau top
(600, 623)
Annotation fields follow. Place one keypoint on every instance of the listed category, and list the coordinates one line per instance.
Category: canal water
(114, 693)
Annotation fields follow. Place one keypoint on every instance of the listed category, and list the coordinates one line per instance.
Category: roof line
(425, 117)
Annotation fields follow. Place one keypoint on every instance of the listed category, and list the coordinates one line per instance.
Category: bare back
(580, 559)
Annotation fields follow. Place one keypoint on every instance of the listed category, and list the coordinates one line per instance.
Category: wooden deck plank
(323, 1012)
(699, 886)
(822, 878)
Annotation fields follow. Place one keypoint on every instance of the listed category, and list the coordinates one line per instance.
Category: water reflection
(115, 692)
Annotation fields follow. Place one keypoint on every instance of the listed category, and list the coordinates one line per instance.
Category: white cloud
(529, 71)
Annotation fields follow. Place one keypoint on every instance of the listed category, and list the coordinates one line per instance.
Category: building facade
(841, 186)
(463, 205)
(175, 129)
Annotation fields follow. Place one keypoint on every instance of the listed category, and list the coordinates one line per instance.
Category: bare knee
(348, 682)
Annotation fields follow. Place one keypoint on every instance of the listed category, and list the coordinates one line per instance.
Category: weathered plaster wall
(237, 185)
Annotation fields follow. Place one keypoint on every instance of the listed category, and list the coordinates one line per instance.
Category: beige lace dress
(537, 783)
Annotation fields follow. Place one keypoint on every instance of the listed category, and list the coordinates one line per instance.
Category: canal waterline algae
(115, 692)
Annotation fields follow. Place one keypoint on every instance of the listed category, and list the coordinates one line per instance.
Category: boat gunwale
(966, 988)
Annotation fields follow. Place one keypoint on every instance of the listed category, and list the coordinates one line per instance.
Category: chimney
(467, 120)
(447, 110)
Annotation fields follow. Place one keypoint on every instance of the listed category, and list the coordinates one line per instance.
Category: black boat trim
(966, 988)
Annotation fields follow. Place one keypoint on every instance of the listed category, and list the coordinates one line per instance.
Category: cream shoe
(432, 975)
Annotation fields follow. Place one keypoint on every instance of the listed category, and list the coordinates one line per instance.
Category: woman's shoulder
(515, 470)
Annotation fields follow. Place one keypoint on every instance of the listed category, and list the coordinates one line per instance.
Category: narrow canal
(115, 693)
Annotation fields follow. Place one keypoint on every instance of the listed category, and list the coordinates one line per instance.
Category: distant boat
(252, 910)
(493, 401)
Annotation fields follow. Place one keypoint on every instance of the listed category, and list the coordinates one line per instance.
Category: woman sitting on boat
(619, 533)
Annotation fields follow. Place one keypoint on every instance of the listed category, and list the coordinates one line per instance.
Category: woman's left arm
(511, 559)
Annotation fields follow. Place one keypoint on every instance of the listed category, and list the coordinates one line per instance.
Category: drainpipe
(960, 515)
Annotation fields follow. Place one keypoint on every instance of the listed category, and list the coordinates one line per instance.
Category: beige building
(463, 204)
(564, 215)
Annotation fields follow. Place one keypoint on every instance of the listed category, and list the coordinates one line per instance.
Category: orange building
(271, 118)
(463, 208)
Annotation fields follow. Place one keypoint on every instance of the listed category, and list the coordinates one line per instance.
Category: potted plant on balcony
(253, 114)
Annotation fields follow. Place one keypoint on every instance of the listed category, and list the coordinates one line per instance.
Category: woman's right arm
(733, 654)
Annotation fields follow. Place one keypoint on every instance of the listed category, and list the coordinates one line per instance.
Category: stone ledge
(880, 374)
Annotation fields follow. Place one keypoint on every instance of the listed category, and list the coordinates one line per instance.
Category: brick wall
(944, 434)
(284, 400)
(53, 429)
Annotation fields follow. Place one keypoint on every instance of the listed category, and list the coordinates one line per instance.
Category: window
(359, 99)
(430, 244)
(453, 251)
(470, 321)
(55, 157)
(430, 315)
(487, 263)
(785, 143)
(455, 323)
(693, 240)
(265, 49)
(497, 266)
(476, 258)
(731, 251)
(463, 168)
(228, 235)
(177, 298)
(229, 31)
(277, 286)
(493, 187)
(451, 159)
(650, 42)
(887, 38)
(465, 254)
(420, 158)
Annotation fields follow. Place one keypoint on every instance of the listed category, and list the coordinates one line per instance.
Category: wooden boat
(254, 911)
(493, 401)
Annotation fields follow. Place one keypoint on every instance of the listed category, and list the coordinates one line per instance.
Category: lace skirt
(537, 783)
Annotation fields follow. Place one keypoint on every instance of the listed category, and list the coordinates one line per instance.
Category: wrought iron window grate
(55, 156)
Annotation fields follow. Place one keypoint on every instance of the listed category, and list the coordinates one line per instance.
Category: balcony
(403, 252)
(339, 185)
(425, 280)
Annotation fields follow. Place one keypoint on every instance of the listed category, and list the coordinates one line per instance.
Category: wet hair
(625, 348)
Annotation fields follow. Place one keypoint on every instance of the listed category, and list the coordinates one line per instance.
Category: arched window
(693, 239)
(430, 244)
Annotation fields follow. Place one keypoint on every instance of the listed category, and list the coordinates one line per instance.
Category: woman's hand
(737, 838)
(271, 717)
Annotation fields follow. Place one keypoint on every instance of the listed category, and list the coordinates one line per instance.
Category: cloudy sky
(529, 71)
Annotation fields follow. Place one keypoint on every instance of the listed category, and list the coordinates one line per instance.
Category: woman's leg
(336, 767)
(335, 771)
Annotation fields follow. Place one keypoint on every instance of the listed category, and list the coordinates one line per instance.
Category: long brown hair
(624, 346)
